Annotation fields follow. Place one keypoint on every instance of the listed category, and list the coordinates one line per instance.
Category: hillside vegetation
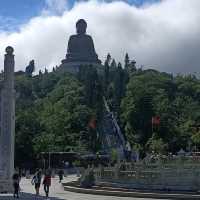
(53, 110)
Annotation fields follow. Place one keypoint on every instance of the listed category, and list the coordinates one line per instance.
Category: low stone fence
(185, 177)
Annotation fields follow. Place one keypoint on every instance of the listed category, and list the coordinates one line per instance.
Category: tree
(54, 109)
(156, 145)
(63, 115)
(27, 127)
(106, 76)
(196, 139)
(151, 93)
(108, 59)
(119, 86)
(46, 70)
(113, 64)
(126, 61)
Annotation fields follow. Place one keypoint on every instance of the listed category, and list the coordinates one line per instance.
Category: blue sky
(164, 36)
(14, 13)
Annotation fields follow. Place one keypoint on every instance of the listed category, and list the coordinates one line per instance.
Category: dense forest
(53, 109)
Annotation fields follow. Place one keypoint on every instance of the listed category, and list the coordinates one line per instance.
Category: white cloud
(164, 35)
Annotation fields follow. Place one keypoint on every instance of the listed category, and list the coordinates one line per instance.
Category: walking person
(37, 181)
(16, 180)
(47, 183)
(60, 174)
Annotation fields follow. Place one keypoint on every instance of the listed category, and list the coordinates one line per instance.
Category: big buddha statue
(81, 47)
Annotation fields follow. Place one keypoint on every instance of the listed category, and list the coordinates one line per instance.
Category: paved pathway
(57, 193)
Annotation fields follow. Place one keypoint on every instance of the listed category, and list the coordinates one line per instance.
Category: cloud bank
(163, 36)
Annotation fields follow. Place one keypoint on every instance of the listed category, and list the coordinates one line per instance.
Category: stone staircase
(110, 133)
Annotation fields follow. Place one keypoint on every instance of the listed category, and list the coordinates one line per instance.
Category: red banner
(92, 123)
(155, 120)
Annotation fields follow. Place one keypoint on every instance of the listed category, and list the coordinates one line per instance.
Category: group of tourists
(36, 181)
(37, 178)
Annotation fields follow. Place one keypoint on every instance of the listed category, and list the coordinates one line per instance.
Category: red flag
(155, 120)
(92, 123)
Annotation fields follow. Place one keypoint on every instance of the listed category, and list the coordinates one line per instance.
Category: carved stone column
(7, 123)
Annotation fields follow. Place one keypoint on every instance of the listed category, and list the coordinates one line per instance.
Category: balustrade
(153, 176)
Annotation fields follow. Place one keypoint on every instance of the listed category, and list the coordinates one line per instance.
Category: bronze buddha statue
(81, 46)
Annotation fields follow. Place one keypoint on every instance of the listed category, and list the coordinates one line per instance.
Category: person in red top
(47, 182)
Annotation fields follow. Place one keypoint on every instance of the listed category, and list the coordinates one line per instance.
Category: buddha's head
(81, 26)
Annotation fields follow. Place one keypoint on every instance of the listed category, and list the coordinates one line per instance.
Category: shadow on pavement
(28, 196)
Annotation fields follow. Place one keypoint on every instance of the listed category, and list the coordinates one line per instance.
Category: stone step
(108, 191)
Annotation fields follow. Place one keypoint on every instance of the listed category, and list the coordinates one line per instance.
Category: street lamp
(44, 163)
(49, 158)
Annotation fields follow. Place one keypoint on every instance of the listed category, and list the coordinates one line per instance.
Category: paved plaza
(57, 193)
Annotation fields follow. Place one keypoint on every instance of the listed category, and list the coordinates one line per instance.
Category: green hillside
(53, 109)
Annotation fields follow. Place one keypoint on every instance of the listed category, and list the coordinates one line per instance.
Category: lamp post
(43, 160)
(189, 145)
(44, 163)
(49, 158)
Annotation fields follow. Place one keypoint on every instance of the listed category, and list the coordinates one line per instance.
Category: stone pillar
(7, 134)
